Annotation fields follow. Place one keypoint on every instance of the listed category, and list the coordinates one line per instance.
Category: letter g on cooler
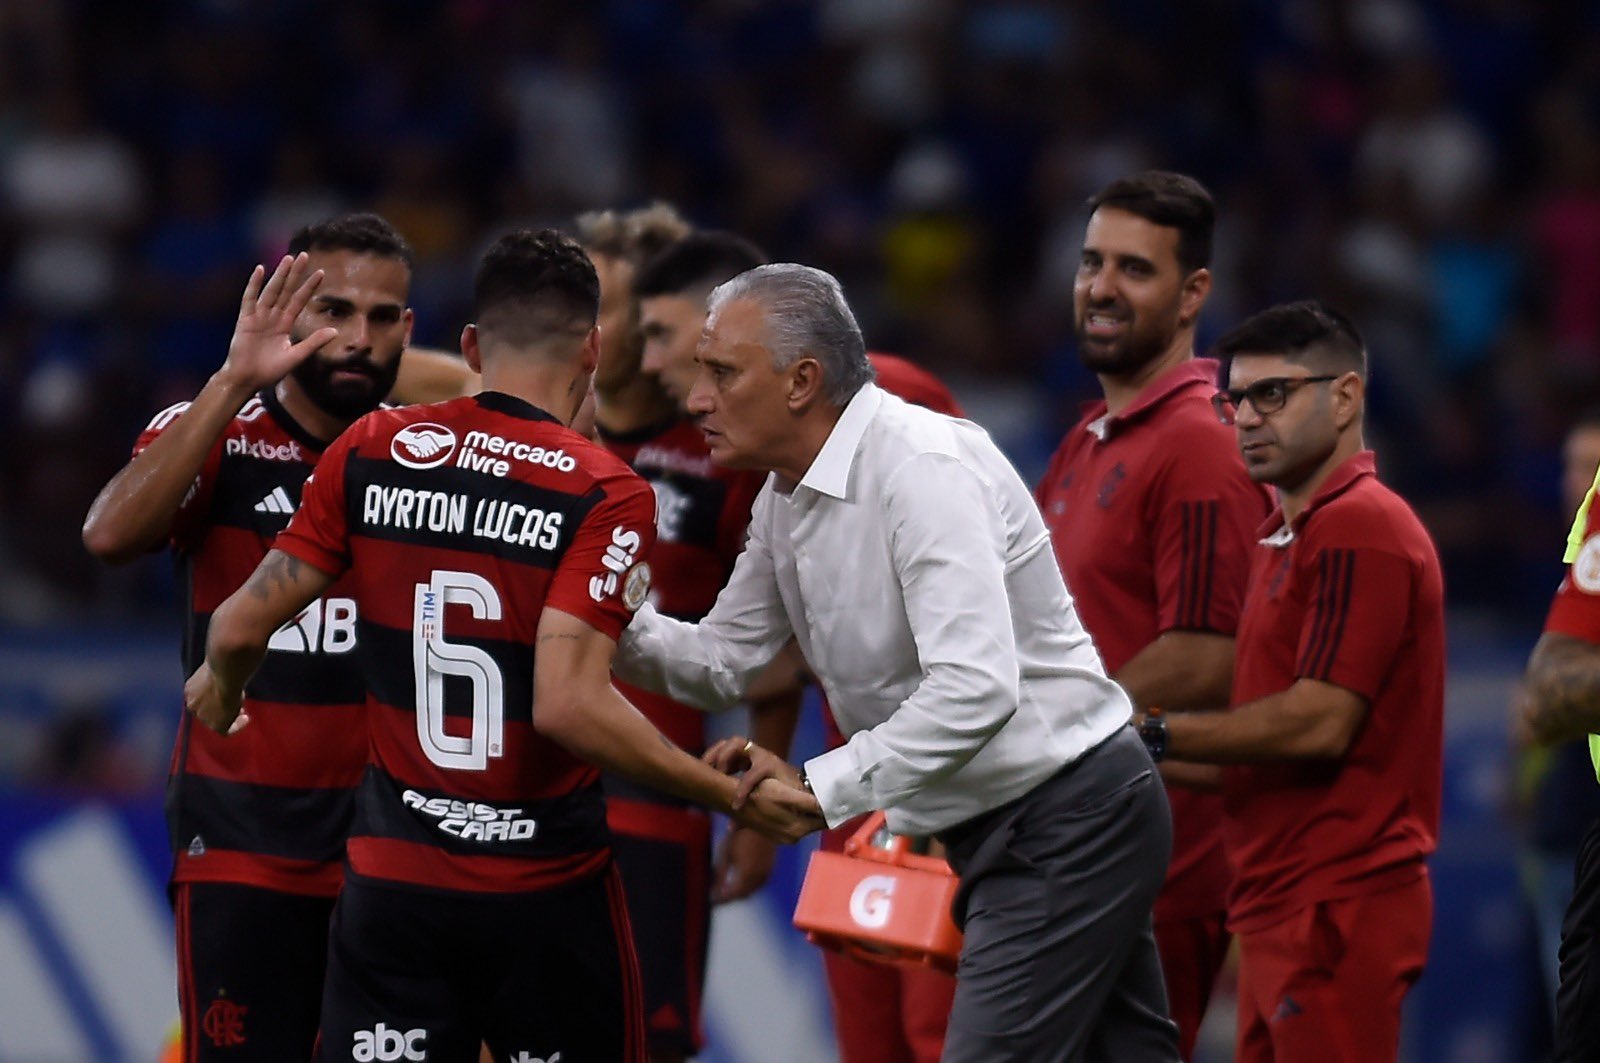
(870, 903)
(423, 445)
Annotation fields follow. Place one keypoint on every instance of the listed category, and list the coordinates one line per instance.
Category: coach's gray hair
(806, 315)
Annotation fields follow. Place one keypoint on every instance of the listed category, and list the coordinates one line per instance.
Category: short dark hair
(633, 235)
(700, 260)
(1309, 332)
(1171, 200)
(532, 285)
(365, 233)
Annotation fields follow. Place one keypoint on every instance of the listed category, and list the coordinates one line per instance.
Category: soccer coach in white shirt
(907, 557)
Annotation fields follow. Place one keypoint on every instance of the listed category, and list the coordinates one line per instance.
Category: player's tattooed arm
(277, 573)
(1563, 684)
(278, 591)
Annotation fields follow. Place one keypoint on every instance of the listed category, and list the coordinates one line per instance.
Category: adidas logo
(276, 502)
(197, 847)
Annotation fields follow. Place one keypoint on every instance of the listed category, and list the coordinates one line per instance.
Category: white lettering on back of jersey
(405, 507)
(477, 445)
(514, 523)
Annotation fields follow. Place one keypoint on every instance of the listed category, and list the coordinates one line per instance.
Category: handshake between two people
(772, 796)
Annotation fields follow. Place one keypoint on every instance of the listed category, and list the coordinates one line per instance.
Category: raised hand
(262, 350)
(217, 709)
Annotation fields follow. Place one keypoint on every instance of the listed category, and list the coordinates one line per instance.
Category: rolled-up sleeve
(947, 542)
(709, 665)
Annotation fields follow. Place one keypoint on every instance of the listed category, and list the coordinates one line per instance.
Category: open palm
(262, 350)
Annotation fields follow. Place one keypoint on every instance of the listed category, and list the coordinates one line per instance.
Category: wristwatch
(1153, 732)
(805, 783)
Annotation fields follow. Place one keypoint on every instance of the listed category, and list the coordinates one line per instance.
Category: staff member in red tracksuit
(1153, 519)
(1333, 747)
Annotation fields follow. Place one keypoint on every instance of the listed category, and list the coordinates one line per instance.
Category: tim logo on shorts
(384, 1045)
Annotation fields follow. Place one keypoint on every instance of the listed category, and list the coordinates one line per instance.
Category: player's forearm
(1563, 689)
(602, 727)
(233, 650)
(134, 513)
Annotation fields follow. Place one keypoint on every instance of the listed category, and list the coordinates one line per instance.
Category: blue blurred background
(1431, 165)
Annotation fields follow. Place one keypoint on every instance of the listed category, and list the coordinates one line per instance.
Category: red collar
(1192, 375)
(1351, 471)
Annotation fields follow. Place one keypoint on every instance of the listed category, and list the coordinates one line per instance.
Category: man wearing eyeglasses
(1333, 747)
(1153, 519)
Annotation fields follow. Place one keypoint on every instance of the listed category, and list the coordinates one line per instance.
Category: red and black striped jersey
(456, 525)
(271, 806)
(702, 511)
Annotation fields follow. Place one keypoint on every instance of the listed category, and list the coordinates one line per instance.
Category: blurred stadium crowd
(1431, 165)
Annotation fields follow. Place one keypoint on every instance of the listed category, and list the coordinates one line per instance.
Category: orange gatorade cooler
(881, 902)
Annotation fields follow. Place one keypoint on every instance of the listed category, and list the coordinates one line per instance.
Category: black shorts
(250, 965)
(668, 882)
(416, 974)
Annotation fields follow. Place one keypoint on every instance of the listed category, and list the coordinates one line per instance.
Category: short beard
(1124, 358)
(347, 400)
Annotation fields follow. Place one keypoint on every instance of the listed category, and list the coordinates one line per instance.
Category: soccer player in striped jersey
(495, 556)
(258, 826)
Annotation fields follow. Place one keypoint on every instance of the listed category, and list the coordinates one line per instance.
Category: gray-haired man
(906, 555)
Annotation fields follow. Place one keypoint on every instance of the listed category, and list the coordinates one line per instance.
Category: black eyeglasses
(1266, 396)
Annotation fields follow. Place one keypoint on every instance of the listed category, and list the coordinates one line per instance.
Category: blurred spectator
(70, 188)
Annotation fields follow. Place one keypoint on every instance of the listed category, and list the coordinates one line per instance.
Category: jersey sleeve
(734, 521)
(187, 523)
(604, 575)
(1203, 536)
(1575, 611)
(319, 533)
(1357, 617)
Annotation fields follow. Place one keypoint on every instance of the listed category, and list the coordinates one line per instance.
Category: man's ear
(470, 349)
(804, 384)
(1349, 399)
(591, 350)
(1196, 286)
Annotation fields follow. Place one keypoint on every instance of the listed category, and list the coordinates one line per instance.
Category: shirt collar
(512, 406)
(829, 473)
(1185, 376)
(1276, 532)
(293, 428)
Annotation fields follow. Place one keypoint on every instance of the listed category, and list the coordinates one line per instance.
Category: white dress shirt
(916, 572)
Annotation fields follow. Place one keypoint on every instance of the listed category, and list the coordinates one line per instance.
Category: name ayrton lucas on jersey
(447, 511)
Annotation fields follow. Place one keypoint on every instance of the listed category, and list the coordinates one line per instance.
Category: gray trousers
(1060, 961)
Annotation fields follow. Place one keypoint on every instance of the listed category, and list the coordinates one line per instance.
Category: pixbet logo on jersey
(257, 448)
(423, 445)
(383, 1045)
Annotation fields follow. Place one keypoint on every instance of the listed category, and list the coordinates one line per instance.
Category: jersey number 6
(434, 658)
